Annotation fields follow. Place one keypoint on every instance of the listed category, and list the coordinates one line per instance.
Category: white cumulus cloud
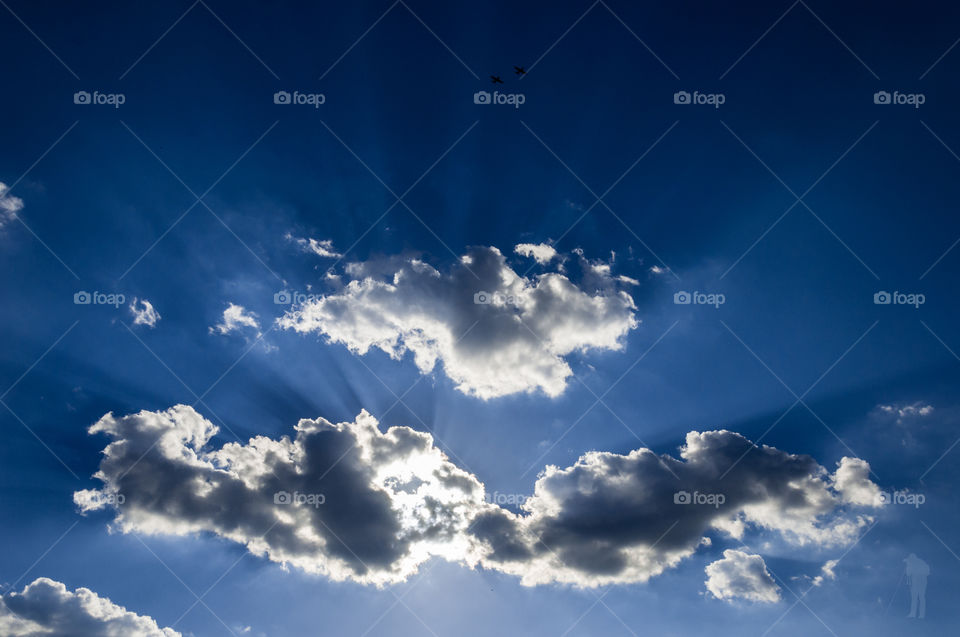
(542, 253)
(235, 318)
(741, 576)
(494, 331)
(46, 608)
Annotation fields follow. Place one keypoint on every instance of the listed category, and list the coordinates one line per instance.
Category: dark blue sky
(708, 195)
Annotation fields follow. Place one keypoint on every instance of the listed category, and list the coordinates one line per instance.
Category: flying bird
(496, 79)
(519, 70)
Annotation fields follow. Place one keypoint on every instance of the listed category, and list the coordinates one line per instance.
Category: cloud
(826, 573)
(495, 332)
(852, 481)
(904, 412)
(46, 607)
(321, 248)
(741, 576)
(542, 253)
(144, 314)
(235, 318)
(617, 519)
(342, 500)
(351, 502)
(9, 205)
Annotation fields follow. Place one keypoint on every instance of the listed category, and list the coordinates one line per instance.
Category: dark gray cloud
(344, 500)
(351, 502)
(46, 608)
(613, 518)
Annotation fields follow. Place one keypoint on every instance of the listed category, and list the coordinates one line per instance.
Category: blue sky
(798, 199)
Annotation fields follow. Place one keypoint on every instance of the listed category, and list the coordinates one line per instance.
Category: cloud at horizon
(351, 502)
(47, 607)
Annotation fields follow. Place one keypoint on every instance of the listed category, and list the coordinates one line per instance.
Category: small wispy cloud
(9, 205)
(904, 412)
(319, 247)
(542, 253)
(144, 313)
